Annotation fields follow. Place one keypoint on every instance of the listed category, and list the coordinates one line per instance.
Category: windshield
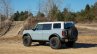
(68, 25)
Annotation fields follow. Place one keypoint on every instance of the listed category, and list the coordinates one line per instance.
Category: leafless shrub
(6, 11)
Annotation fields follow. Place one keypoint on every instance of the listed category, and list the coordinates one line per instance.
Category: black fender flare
(27, 34)
(54, 35)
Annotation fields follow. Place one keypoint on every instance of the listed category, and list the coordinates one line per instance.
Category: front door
(46, 31)
(37, 34)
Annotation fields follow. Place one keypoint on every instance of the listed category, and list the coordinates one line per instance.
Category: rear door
(46, 31)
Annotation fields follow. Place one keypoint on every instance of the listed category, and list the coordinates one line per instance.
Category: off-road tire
(55, 43)
(27, 41)
(73, 33)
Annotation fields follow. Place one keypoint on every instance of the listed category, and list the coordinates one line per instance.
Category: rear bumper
(66, 39)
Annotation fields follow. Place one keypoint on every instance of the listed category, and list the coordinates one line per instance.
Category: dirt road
(85, 45)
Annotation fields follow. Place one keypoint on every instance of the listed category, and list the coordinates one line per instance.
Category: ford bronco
(56, 33)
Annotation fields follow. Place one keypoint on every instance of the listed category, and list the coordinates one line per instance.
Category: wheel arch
(27, 34)
(54, 35)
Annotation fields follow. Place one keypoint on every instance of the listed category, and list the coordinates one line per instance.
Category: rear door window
(57, 25)
(47, 26)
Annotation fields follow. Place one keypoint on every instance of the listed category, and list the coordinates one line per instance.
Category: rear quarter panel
(48, 33)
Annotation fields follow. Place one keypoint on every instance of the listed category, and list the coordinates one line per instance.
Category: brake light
(63, 33)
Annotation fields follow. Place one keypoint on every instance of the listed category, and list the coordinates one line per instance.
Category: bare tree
(5, 8)
(5, 11)
(0, 20)
(47, 5)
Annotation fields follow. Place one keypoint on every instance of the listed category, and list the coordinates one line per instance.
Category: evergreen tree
(40, 14)
(21, 16)
(53, 13)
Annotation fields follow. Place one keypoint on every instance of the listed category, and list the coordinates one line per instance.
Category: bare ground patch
(84, 45)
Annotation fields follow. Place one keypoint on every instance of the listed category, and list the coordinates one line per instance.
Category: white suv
(56, 33)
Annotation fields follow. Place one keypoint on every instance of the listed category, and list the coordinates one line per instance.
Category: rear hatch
(71, 31)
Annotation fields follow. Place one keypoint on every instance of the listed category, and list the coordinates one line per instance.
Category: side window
(47, 26)
(39, 27)
(57, 25)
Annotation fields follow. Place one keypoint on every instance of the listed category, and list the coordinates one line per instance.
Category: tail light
(63, 33)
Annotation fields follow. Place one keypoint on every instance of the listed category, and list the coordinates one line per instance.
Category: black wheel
(42, 43)
(73, 33)
(70, 43)
(27, 41)
(55, 43)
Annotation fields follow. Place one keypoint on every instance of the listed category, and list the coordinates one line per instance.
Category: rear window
(44, 26)
(66, 25)
(57, 25)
